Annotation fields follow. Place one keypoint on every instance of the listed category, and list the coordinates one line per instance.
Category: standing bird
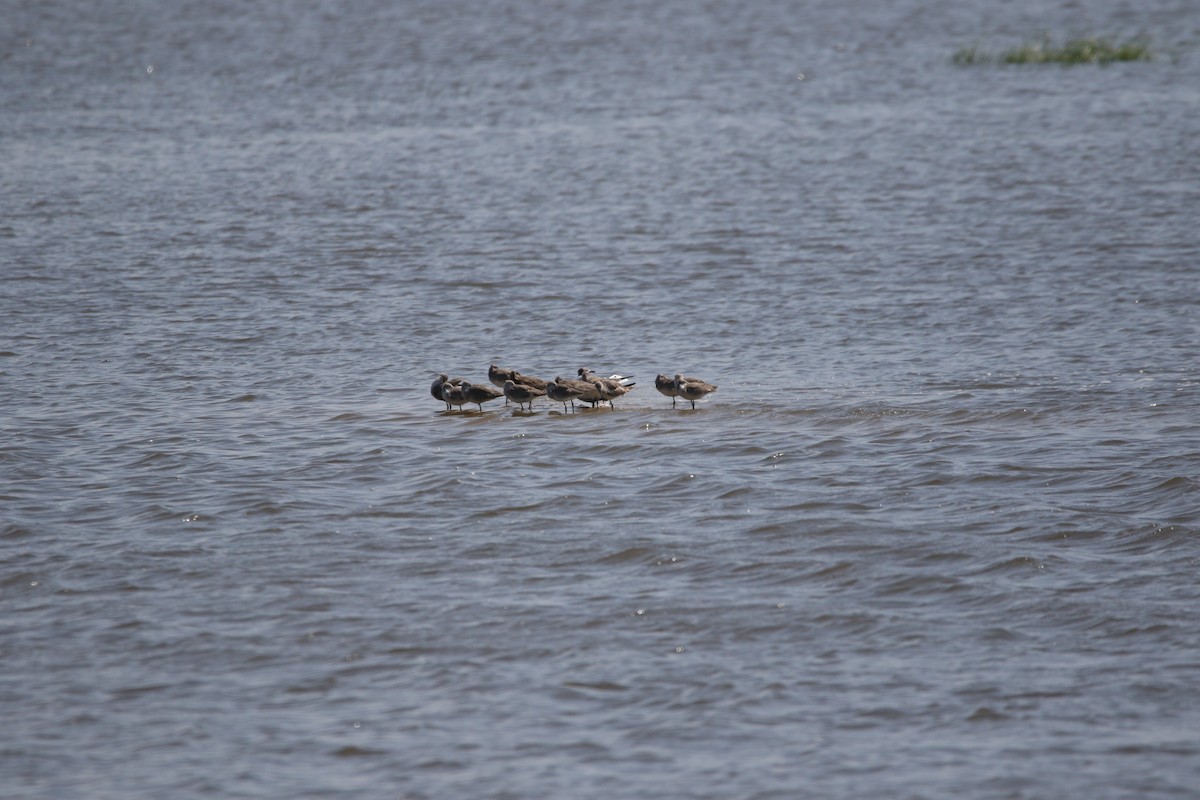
(561, 392)
(479, 394)
(438, 382)
(522, 394)
(528, 380)
(692, 388)
(610, 387)
(586, 374)
(498, 376)
(454, 395)
(666, 385)
(588, 393)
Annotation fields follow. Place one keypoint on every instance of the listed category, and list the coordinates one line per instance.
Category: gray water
(936, 534)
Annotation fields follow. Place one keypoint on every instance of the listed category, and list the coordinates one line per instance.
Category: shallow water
(936, 533)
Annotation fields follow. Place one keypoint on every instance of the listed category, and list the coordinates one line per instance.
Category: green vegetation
(1076, 51)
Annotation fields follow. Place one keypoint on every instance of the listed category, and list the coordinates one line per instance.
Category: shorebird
(666, 385)
(522, 379)
(521, 394)
(586, 374)
(610, 387)
(588, 393)
(561, 391)
(479, 394)
(436, 388)
(454, 395)
(692, 388)
(498, 375)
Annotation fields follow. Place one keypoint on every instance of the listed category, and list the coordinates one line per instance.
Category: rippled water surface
(936, 534)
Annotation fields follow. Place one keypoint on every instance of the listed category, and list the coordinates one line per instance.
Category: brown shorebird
(498, 375)
(561, 391)
(479, 394)
(610, 387)
(586, 374)
(692, 388)
(588, 393)
(454, 395)
(521, 394)
(666, 385)
(436, 388)
(522, 379)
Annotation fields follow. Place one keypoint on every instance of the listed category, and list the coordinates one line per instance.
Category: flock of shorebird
(588, 388)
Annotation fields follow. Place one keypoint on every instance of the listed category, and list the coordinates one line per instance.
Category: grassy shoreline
(1071, 52)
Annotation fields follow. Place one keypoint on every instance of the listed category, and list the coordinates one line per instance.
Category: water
(936, 534)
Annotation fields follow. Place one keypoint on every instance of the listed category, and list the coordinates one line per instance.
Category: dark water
(937, 534)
